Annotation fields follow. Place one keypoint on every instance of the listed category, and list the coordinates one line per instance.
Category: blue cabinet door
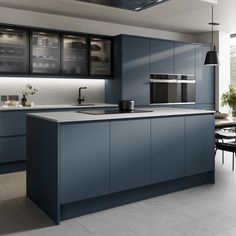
(161, 56)
(167, 149)
(12, 149)
(129, 154)
(205, 83)
(185, 106)
(184, 59)
(12, 123)
(199, 144)
(84, 161)
(135, 70)
(206, 106)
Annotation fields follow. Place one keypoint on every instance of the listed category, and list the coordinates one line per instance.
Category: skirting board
(12, 167)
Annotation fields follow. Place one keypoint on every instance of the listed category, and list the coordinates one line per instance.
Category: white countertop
(62, 106)
(72, 116)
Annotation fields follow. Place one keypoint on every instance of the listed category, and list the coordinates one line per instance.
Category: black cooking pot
(126, 105)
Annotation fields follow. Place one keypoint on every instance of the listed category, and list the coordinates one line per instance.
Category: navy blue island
(81, 163)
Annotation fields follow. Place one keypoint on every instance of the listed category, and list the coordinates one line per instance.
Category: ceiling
(188, 16)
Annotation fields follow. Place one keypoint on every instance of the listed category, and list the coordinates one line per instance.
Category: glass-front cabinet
(100, 56)
(45, 53)
(74, 61)
(14, 51)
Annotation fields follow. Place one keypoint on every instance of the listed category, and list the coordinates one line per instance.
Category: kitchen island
(79, 163)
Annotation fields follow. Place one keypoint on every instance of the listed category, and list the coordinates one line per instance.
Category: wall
(58, 91)
(55, 91)
(20, 17)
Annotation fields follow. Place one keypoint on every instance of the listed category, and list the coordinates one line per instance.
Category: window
(233, 60)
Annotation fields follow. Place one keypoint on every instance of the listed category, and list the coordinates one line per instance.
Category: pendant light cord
(212, 27)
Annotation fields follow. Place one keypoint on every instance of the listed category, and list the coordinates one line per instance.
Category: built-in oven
(172, 89)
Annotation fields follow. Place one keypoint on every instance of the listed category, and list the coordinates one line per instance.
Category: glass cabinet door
(45, 53)
(100, 57)
(14, 56)
(74, 55)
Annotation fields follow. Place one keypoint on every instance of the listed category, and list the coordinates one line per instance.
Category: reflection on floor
(203, 211)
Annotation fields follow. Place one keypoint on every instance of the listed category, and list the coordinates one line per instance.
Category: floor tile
(208, 210)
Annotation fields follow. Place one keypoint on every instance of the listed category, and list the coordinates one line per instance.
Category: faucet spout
(81, 99)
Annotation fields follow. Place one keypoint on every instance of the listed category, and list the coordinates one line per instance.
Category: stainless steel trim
(172, 81)
(186, 81)
(173, 74)
(177, 103)
(163, 81)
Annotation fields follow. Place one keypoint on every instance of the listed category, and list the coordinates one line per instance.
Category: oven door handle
(170, 81)
(186, 81)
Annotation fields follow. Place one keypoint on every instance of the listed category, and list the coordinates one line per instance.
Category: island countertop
(73, 116)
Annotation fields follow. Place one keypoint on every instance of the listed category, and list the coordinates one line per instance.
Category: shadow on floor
(21, 215)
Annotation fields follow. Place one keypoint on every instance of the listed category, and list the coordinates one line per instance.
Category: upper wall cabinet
(100, 57)
(205, 86)
(184, 59)
(45, 53)
(14, 51)
(162, 56)
(74, 55)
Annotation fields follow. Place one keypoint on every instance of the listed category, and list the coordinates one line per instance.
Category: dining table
(229, 122)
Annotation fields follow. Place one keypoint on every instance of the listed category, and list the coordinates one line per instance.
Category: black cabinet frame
(31, 52)
(27, 31)
(61, 33)
(82, 75)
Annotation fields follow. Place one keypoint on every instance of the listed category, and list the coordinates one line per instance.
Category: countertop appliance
(126, 105)
(172, 89)
(111, 111)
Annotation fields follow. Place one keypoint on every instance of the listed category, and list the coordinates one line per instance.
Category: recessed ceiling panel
(134, 5)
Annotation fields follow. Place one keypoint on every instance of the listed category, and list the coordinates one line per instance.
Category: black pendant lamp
(212, 57)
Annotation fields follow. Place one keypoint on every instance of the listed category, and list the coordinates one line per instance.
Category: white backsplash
(53, 91)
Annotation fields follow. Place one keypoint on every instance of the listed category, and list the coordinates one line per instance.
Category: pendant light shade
(212, 57)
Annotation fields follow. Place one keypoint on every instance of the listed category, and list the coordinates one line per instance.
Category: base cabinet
(12, 149)
(199, 144)
(129, 154)
(167, 149)
(84, 161)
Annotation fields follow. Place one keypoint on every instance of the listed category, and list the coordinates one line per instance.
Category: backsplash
(52, 91)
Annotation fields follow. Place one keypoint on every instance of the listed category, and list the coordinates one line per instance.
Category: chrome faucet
(81, 99)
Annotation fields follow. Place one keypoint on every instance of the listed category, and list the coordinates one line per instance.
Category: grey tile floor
(208, 210)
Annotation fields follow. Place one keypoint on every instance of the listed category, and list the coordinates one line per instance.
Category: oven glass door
(184, 92)
(162, 92)
(172, 92)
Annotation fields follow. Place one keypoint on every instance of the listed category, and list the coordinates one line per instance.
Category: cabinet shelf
(75, 49)
(74, 61)
(12, 57)
(13, 44)
(44, 59)
(52, 47)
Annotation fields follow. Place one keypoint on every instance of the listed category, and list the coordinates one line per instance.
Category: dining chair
(222, 143)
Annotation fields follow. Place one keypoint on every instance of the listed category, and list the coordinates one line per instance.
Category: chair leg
(215, 151)
(223, 157)
(233, 162)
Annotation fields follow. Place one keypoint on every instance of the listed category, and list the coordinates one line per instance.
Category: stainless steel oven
(172, 89)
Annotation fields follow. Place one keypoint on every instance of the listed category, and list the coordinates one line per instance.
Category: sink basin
(83, 104)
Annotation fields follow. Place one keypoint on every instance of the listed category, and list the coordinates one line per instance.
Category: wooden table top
(227, 122)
